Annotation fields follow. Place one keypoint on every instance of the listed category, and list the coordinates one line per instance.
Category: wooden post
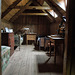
(0, 40)
(69, 54)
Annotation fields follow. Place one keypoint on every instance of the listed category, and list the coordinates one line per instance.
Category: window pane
(61, 3)
(53, 13)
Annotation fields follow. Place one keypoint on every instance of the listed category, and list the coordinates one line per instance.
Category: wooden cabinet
(7, 39)
(30, 37)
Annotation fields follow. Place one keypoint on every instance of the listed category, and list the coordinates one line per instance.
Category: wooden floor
(29, 61)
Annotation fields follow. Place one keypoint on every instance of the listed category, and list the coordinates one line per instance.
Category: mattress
(5, 54)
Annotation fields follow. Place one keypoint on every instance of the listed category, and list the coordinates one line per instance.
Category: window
(53, 13)
(61, 3)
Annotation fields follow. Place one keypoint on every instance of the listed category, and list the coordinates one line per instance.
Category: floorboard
(29, 61)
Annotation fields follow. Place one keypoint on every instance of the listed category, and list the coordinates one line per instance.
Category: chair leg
(51, 50)
(39, 47)
(47, 48)
(50, 53)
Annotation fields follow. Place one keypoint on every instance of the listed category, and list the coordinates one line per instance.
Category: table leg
(54, 52)
(63, 49)
(35, 41)
(27, 42)
(50, 49)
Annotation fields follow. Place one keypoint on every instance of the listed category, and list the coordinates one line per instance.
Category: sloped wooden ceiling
(11, 9)
(7, 7)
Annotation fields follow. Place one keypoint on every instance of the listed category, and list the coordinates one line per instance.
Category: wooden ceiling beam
(8, 9)
(33, 7)
(48, 16)
(20, 27)
(55, 7)
(51, 17)
(20, 11)
(42, 14)
(40, 1)
(58, 7)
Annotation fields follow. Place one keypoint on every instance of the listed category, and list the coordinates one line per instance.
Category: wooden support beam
(19, 28)
(33, 7)
(58, 7)
(48, 16)
(36, 3)
(55, 7)
(42, 14)
(0, 41)
(8, 9)
(40, 1)
(20, 11)
(69, 54)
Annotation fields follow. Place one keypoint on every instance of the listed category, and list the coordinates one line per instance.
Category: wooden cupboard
(30, 37)
(7, 39)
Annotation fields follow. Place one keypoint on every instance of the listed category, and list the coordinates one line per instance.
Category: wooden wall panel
(54, 26)
(6, 24)
(37, 24)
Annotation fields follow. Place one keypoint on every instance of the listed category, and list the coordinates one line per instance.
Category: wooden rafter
(8, 9)
(55, 7)
(40, 1)
(42, 14)
(33, 7)
(20, 11)
(20, 27)
(58, 7)
(50, 15)
(51, 19)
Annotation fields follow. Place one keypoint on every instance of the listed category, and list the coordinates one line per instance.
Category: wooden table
(30, 37)
(56, 41)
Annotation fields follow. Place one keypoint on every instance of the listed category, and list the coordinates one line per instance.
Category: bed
(5, 55)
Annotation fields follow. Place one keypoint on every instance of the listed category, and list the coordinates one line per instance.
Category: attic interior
(33, 37)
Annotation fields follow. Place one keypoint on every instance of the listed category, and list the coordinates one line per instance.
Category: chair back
(41, 42)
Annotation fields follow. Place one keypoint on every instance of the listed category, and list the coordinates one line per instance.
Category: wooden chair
(47, 40)
(41, 42)
(51, 48)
